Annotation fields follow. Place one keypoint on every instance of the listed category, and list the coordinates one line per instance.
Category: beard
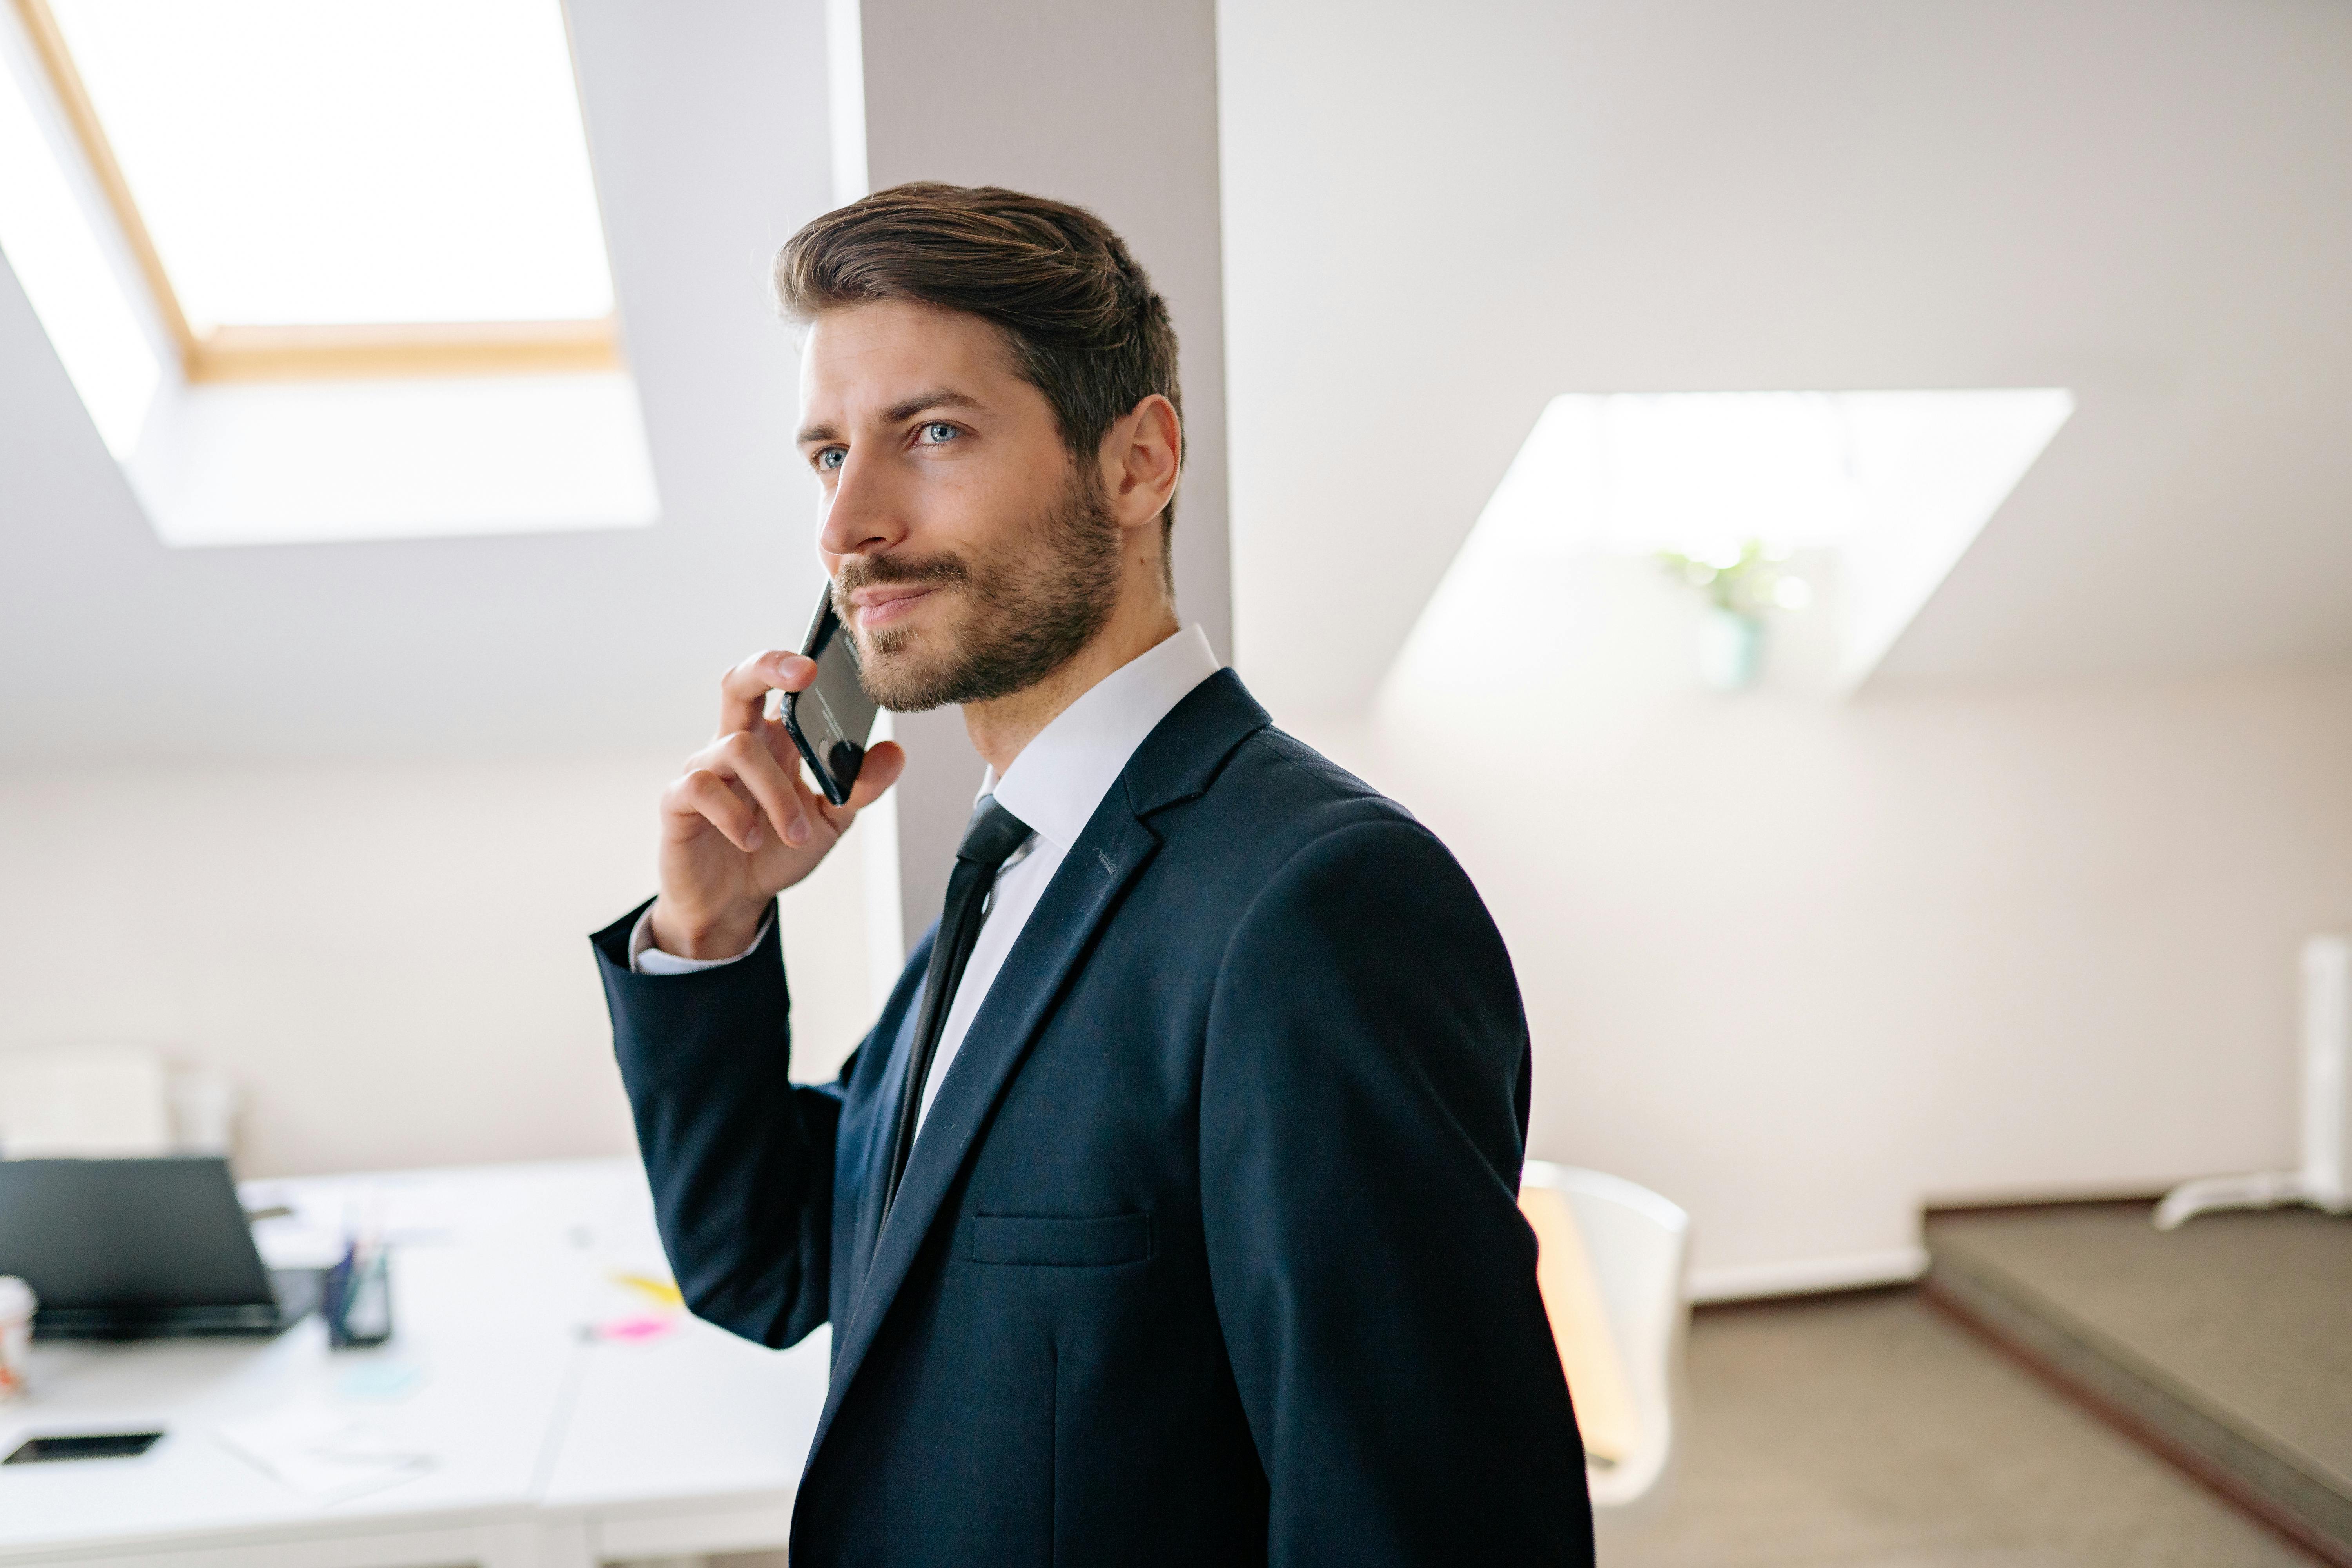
(1031, 603)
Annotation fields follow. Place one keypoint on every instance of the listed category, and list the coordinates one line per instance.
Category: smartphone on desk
(82, 1445)
(831, 720)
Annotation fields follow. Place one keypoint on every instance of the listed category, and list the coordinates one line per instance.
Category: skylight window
(1895, 484)
(343, 189)
(1700, 473)
(323, 270)
(62, 264)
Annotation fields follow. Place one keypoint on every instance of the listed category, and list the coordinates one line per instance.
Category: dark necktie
(988, 840)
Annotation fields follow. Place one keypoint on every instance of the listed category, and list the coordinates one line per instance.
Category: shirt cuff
(645, 958)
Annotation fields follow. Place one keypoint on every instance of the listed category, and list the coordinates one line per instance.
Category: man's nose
(864, 517)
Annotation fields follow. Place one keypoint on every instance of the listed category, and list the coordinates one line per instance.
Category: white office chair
(110, 1101)
(1611, 1265)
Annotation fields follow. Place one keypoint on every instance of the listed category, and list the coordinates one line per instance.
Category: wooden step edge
(2302, 1508)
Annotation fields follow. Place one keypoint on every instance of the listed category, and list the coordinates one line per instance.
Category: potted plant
(1739, 585)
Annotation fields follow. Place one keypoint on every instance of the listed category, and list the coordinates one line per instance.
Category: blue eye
(938, 432)
(831, 458)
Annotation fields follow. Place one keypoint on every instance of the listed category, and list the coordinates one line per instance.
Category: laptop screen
(140, 1237)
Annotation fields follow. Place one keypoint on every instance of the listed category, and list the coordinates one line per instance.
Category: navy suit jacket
(1209, 1251)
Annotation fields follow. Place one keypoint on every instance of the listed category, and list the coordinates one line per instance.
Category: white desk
(550, 1448)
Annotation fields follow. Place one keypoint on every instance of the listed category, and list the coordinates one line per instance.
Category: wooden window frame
(236, 352)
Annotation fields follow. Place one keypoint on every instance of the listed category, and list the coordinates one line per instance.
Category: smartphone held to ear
(831, 720)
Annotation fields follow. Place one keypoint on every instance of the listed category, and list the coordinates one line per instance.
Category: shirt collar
(1063, 773)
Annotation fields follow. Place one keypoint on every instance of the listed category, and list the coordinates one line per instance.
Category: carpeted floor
(1868, 1431)
(2250, 1315)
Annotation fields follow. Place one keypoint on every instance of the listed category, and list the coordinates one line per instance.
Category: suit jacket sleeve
(740, 1159)
(1362, 1121)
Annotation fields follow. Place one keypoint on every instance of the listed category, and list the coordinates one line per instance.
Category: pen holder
(356, 1299)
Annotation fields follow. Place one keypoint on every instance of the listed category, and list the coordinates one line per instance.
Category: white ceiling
(707, 128)
(1435, 219)
(1438, 217)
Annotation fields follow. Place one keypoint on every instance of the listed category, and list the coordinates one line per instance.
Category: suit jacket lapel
(1112, 850)
(867, 1217)
(1176, 762)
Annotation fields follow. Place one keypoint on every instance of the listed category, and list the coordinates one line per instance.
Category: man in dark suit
(1168, 1212)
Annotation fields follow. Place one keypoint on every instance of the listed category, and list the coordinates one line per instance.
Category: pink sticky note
(629, 1329)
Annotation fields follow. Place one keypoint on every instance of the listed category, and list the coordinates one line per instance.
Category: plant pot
(1731, 650)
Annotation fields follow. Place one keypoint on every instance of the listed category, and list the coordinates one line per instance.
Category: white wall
(1803, 964)
(1437, 218)
(390, 960)
(1800, 964)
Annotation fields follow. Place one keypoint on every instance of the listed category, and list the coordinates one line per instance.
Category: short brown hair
(1085, 325)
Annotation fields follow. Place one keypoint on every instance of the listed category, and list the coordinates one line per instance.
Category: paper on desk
(325, 1453)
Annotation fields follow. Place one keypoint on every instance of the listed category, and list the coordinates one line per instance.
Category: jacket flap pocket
(1069, 1241)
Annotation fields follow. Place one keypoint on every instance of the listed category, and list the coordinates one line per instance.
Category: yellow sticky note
(661, 1290)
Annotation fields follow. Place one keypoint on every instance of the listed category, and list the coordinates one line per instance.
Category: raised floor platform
(2226, 1344)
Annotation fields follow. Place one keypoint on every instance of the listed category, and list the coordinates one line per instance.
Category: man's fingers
(880, 770)
(743, 690)
(704, 793)
(745, 758)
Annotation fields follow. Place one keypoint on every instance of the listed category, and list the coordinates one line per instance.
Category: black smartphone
(830, 722)
(86, 1446)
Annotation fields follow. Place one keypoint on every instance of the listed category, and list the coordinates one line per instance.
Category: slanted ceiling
(707, 125)
(1438, 218)
(1435, 219)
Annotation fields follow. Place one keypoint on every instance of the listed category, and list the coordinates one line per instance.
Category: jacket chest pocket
(1059, 1241)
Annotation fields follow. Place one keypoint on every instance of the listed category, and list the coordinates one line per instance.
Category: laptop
(124, 1250)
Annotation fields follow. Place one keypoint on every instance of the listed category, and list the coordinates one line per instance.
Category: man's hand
(740, 824)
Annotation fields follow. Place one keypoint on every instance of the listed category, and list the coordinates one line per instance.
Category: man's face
(970, 555)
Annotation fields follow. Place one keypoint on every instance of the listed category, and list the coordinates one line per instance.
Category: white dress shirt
(1054, 786)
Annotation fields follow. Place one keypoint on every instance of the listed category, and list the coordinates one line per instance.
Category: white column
(1109, 104)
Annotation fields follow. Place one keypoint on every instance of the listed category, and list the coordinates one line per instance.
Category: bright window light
(301, 163)
(79, 295)
(405, 458)
(1701, 473)
(1894, 485)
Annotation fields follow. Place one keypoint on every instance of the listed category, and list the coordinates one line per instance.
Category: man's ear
(1142, 456)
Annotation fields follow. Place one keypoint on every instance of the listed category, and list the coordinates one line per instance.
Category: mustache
(869, 571)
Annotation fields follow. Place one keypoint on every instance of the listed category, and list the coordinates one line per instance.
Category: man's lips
(885, 602)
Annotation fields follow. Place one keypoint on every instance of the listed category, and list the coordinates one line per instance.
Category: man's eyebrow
(898, 413)
(906, 408)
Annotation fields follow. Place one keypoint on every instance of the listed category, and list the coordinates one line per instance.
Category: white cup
(16, 1304)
